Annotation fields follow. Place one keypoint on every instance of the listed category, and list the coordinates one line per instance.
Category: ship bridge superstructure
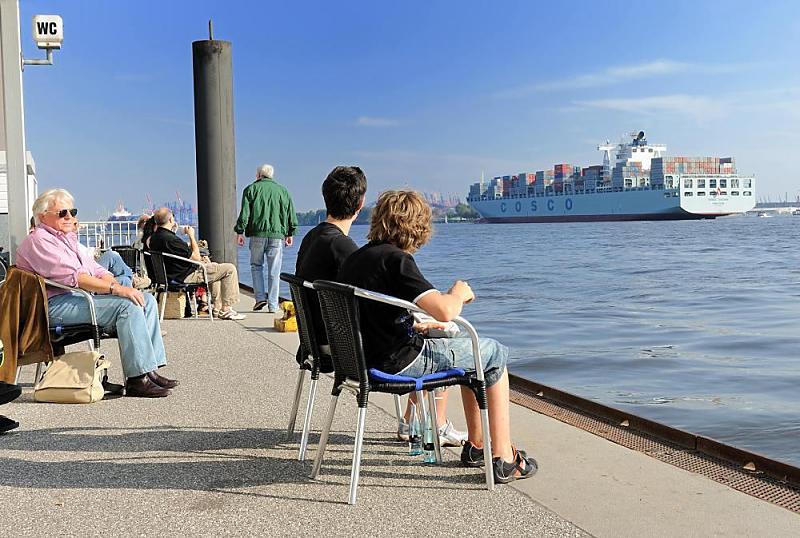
(637, 151)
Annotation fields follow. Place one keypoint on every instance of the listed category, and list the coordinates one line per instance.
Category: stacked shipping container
(629, 174)
(663, 166)
(592, 176)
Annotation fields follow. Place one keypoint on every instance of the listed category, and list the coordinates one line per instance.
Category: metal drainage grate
(752, 483)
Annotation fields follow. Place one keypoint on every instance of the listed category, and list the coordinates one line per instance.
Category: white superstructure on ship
(638, 183)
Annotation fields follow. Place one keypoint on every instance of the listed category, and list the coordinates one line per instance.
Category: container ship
(638, 183)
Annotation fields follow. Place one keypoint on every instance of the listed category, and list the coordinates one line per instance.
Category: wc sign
(48, 31)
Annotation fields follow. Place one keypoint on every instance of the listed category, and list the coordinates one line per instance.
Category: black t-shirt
(321, 254)
(390, 342)
(164, 240)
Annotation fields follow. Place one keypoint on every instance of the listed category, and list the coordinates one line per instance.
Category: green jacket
(267, 211)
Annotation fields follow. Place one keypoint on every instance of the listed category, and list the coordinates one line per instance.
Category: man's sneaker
(402, 431)
(450, 436)
(231, 315)
(521, 467)
(259, 305)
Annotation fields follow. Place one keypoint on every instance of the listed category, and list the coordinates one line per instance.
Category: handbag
(73, 378)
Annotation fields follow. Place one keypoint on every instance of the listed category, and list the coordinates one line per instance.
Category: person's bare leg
(499, 423)
(441, 406)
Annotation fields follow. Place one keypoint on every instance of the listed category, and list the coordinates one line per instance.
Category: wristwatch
(111, 288)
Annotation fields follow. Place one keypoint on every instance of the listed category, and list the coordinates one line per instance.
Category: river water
(695, 324)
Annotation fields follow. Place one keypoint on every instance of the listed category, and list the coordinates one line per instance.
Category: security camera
(48, 31)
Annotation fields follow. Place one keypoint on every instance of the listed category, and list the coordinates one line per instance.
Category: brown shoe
(142, 387)
(162, 381)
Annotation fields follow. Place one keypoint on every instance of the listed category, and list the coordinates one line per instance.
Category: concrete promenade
(212, 459)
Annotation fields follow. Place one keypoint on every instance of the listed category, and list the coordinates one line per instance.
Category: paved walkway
(212, 460)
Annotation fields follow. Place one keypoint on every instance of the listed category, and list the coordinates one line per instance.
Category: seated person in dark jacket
(222, 277)
(400, 225)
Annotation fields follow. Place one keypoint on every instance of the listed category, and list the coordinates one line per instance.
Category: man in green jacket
(267, 217)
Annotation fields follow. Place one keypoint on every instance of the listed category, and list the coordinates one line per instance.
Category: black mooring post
(214, 147)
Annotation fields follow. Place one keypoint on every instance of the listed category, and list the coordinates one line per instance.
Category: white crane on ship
(606, 148)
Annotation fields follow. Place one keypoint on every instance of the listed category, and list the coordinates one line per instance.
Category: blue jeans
(273, 250)
(439, 354)
(138, 332)
(112, 262)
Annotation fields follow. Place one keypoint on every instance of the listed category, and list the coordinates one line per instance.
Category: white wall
(33, 184)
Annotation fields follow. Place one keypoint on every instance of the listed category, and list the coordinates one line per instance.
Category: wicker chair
(162, 284)
(302, 296)
(305, 298)
(340, 313)
(129, 255)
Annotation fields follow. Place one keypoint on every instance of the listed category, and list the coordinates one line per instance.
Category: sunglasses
(62, 214)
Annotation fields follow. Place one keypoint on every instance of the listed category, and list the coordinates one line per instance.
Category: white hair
(265, 170)
(47, 198)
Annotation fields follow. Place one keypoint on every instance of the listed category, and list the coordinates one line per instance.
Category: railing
(105, 234)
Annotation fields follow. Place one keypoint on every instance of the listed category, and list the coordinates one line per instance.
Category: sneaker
(231, 315)
(259, 305)
(471, 456)
(450, 436)
(522, 467)
(402, 431)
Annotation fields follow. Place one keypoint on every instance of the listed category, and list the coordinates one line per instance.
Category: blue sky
(424, 94)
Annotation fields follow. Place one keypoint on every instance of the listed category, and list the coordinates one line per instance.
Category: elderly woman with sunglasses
(52, 252)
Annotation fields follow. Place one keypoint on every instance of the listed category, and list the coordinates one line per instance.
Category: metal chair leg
(398, 411)
(422, 411)
(38, 374)
(354, 473)
(162, 303)
(323, 440)
(210, 302)
(435, 422)
(312, 394)
(298, 391)
(487, 449)
(19, 371)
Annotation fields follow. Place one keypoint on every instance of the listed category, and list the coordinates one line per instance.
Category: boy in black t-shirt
(400, 225)
(325, 247)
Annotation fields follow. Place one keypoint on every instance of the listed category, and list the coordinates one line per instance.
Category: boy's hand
(461, 289)
(424, 328)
